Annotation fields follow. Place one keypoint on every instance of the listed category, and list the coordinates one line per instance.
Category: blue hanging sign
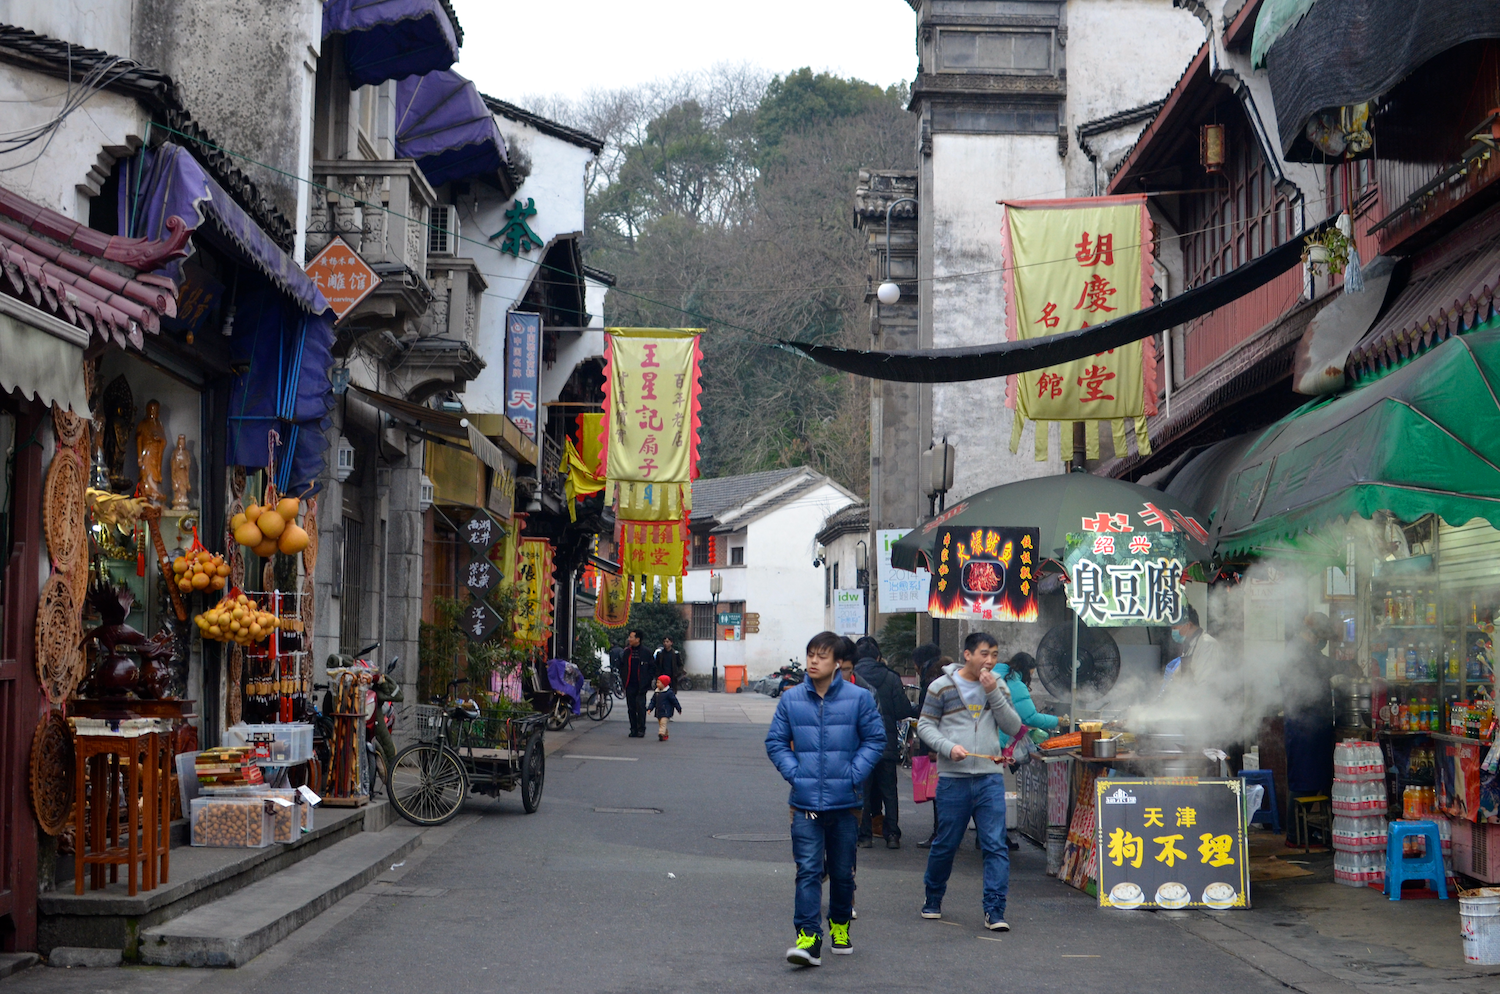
(523, 346)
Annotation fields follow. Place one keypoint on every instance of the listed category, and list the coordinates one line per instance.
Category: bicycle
(597, 702)
(459, 749)
(904, 729)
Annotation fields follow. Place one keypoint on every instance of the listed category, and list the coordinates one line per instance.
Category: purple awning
(392, 39)
(442, 122)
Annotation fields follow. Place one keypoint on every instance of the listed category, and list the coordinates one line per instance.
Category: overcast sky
(567, 47)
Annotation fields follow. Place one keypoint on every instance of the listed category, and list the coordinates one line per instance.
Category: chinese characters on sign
(986, 574)
(534, 591)
(1120, 580)
(1172, 843)
(342, 275)
(849, 611)
(900, 590)
(1073, 264)
(523, 348)
(517, 237)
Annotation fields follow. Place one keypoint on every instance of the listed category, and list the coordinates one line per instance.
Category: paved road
(589, 895)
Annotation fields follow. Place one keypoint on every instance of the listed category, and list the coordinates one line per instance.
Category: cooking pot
(1162, 743)
(1106, 748)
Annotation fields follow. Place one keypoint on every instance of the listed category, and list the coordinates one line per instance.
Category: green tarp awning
(1424, 439)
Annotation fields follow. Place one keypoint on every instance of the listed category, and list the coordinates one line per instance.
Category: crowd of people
(834, 738)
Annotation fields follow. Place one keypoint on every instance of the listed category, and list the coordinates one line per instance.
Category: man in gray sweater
(963, 716)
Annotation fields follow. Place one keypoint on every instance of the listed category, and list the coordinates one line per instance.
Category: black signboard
(481, 576)
(1175, 842)
(479, 620)
(481, 532)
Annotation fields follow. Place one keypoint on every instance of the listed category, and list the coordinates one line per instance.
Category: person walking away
(929, 661)
(668, 660)
(965, 712)
(633, 662)
(894, 705)
(662, 704)
(1016, 673)
(825, 738)
(1308, 732)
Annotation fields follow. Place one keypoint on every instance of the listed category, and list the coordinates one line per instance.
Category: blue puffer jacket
(1020, 699)
(826, 746)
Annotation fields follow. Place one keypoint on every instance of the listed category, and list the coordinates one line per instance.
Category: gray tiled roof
(712, 498)
(845, 521)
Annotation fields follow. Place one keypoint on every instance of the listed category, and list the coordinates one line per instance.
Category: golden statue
(150, 445)
(182, 468)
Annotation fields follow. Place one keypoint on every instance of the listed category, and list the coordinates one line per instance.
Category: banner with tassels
(612, 608)
(650, 549)
(651, 417)
(1070, 264)
(534, 591)
(582, 466)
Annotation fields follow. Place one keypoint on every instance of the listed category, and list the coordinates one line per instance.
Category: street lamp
(716, 587)
(888, 292)
(862, 579)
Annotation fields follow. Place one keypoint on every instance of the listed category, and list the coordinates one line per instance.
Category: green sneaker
(839, 933)
(809, 949)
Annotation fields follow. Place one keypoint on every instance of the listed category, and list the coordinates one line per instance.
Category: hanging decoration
(534, 590)
(1070, 264)
(650, 442)
(582, 465)
(612, 608)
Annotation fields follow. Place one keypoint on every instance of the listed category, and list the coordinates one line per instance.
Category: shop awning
(442, 122)
(1344, 52)
(982, 362)
(440, 426)
(1425, 439)
(392, 39)
(43, 357)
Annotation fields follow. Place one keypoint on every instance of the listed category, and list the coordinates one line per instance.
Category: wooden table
(107, 766)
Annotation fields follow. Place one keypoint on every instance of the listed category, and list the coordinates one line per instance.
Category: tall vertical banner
(650, 433)
(534, 591)
(523, 351)
(1070, 264)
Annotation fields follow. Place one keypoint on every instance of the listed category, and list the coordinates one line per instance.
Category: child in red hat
(662, 704)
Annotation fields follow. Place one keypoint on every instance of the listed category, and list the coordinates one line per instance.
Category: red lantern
(713, 554)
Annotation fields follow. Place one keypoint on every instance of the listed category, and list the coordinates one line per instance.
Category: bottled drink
(1432, 612)
(1411, 663)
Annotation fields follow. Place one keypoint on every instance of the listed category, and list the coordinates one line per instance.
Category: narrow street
(643, 871)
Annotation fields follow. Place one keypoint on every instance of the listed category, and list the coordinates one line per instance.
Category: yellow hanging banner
(651, 412)
(534, 591)
(1071, 264)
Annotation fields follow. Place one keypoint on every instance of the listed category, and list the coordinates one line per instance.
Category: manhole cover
(627, 811)
(753, 837)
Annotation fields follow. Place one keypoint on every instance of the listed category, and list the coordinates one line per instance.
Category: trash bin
(1479, 914)
(734, 679)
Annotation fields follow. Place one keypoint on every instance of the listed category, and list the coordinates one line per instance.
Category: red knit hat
(664, 680)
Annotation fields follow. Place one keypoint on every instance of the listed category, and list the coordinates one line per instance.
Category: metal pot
(1106, 748)
(1162, 743)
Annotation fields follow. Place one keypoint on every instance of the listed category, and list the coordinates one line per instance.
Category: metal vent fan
(1098, 662)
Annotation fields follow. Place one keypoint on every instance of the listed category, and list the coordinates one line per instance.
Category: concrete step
(235, 929)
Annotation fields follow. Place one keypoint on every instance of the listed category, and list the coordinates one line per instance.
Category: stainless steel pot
(1162, 743)
(1106, 748)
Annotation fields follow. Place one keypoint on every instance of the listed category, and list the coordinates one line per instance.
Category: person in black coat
(894, 705)
(636, 681)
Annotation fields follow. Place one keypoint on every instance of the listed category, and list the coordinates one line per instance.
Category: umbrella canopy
(1057, 505)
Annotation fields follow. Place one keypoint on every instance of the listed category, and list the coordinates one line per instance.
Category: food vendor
(1308, 688)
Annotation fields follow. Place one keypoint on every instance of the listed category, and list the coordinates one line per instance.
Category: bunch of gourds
(271, 529)
(200, 569)
(237, 618)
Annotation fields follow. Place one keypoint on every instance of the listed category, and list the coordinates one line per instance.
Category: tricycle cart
(461, 748)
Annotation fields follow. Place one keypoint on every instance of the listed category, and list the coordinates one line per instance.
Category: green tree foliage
(656, 622)
(724, 202)
(897, 640)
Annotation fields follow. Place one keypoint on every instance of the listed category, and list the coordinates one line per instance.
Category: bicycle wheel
(560, 715)
(684, 683)
(616, 687)
(600, 707)
(533, 772)
(427, 784)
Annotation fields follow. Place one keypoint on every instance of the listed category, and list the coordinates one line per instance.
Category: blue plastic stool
(1267, 814)
(1399, 868)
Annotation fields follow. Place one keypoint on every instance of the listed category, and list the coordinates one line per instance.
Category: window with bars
(704, 622)
(737, 555)
(352, 587)
(1241, 218)
(700, 549)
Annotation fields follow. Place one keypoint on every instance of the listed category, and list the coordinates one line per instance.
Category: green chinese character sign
(1127, 580)
(517, 236)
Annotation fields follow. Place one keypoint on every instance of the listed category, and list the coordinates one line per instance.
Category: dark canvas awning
(442, 122)
(982, 362)
(1424, 439)
(437, 426)
(392, 39)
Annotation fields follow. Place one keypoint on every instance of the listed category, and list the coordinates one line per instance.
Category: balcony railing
(380, 207)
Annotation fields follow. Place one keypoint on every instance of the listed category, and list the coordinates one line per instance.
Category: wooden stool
(1315, 804)
(106, 766)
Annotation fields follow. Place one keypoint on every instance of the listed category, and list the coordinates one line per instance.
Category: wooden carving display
(59, 655)
(234, 699)
(63, 510)
(52, 773)
(72, 429)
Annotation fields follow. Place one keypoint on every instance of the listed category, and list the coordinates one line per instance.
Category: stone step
(235, 929)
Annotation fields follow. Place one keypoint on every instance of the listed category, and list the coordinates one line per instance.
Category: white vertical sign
(849, 611)
(899, 590)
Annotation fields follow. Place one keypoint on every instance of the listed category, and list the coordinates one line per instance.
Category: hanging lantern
(1213, 149)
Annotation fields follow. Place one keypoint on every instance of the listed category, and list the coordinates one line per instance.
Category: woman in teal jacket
(1017, 677)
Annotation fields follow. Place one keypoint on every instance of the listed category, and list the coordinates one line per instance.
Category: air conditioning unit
(442, 233)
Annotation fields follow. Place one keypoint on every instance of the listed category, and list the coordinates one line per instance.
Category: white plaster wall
(556, 185)
(62, 163)
(969, 174)
(101, 24)
(1103, 79)
(843, 553)
(778, 581)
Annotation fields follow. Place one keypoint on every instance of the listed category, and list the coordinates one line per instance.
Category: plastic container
(1360, 798)
(734, 679)
(275, 745)
(1012, 809)
(231, 822)
(1479, 917)
(1356, 761)
(289, 823)
(1355, 835)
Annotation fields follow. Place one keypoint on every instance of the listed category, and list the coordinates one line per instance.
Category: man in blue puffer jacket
(825, 740)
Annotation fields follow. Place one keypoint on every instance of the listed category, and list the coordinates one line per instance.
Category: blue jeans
(823, 841)
(958, 799)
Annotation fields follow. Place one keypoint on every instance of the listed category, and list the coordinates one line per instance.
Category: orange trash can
(734, 679)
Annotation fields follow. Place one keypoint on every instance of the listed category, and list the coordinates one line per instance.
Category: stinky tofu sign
(1122, 580)
(1174, 842)
(344, 278)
